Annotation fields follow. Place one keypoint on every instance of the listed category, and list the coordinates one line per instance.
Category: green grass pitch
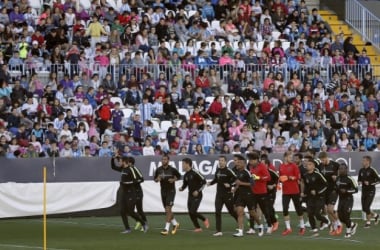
(103, 233)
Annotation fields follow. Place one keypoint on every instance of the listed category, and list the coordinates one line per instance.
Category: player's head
(125, 161)
(366, 161)
(165, 160)
(222, 161)
(253, 158)
(288, 156)
(310, 166)
(240, 161)
(131, 161)
(343, 169)
(187, 164)
(324, 157)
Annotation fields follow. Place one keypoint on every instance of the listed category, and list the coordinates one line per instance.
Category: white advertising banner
(19, 199)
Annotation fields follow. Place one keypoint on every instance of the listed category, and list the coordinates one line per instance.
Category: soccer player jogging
(128, 192)
(346, 187)
(139, 193)
(261, 176)
(368, 178)
(329, 169)
(315, 190)
(195, 182)
(290, 176)
(243, 193)
(224, 179)
(167, 176)
(272, 190)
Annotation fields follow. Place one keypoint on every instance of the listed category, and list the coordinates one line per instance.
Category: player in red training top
(290, 176)
(261, 176)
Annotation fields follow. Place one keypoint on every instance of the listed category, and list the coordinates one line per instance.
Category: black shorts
(167, 197)
(331, 197)
(244, 200)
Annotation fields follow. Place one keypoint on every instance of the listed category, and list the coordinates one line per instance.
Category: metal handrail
(363, 21)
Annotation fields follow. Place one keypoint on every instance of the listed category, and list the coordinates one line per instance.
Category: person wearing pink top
(225, 59)
(235, 129)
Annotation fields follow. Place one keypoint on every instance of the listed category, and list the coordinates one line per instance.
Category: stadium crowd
(218, 71)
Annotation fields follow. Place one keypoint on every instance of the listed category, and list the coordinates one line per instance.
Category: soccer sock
(302, 223)
(287, 224)
(167, 226)
(174, 222)
(240, 231)
(348, 230)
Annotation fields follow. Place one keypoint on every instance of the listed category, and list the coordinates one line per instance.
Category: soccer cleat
(145, 228)
(175, 228)
(314, 232)
(323, 226)
(138, 226)
(367, 225)
(197, 230)
(275, 227)
(377, 219)
(206, 223)
(354, 226)
(218, 234)
(251, 231)
(238, 234)
(287, 232)
(127, 231)
(338, 230)
(164, 232)
(301, 231)
(347, 235)
(260, 231)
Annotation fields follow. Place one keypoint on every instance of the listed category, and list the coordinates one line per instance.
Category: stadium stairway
(338, 26)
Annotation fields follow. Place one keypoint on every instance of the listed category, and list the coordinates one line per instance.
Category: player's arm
(140, 177)
(353, 188)
(157, 177)
(264, 173)
(231, 177)
(113, 165)
(375, 176)
(360, 178)
(296, 174)
(184, 184)
(322, 184)
(210, 183)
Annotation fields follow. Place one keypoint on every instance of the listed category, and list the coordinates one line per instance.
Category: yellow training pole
(44, 209)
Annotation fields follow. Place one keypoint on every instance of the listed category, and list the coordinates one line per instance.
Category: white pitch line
(334, 239)
(29, 247)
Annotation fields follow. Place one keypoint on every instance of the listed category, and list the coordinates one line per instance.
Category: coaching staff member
(167, 176)
(224, 179)
(128, 195)
(195, 182)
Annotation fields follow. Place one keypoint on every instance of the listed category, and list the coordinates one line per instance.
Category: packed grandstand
(180, 77)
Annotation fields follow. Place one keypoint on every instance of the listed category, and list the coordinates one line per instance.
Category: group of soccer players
(252, 183)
